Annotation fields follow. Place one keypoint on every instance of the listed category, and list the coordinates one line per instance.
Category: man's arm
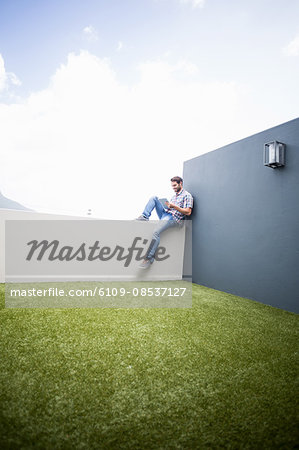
(185, 211)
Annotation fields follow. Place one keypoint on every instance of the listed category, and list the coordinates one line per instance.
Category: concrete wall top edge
(252, 136)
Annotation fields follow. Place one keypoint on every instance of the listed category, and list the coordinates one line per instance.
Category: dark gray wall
(246, 219)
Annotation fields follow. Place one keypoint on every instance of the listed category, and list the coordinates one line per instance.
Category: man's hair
(177, 179)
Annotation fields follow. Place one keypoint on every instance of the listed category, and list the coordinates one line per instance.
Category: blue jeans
(167, 221)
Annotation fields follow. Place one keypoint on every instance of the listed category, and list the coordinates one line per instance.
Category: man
(178, 208)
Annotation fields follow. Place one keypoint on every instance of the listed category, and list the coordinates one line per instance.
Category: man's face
(176, 186)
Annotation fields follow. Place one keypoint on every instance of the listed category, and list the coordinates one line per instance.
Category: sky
(102, 101)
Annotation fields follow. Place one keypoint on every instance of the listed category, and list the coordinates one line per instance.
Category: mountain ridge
(7, 203)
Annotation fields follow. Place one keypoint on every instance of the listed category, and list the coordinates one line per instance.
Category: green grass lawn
(223, 374)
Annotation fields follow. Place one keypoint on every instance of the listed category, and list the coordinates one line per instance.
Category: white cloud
(186, 67)
(120, 46)
(89, 141)
(7, 78)
(194, 3)
(90, 33)
(292, 49)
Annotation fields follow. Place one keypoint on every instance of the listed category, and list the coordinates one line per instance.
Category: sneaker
(142, 217)
(145, 263)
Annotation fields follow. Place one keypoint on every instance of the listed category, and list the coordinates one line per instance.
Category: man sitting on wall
(171, 215)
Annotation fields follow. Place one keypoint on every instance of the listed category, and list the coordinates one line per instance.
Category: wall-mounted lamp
(274, 154)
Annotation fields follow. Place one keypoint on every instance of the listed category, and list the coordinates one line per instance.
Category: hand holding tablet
(164, 202)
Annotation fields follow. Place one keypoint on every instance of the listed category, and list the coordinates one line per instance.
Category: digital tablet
(163, 202)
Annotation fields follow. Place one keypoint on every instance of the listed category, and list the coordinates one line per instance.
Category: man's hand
(185, 211)
(170, 205)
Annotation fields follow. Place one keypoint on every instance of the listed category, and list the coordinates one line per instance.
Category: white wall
(11, 214)
(175, 240)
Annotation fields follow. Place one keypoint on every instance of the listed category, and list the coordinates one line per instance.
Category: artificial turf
(222, 374)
